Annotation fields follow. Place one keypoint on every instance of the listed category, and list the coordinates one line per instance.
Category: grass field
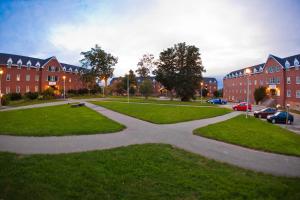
(163, 114)
(149, 171)
(55, 120)
(253, 133)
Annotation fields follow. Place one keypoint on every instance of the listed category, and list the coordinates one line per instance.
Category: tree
(166, 70)
(100, 63)
(118, 86)
(204, 92)
(146, 88)
(145, 65)
(132, 82)
(218, 93)
(259, 94)
(89, 79)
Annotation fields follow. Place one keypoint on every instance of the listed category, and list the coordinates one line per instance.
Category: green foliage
(163, 114)
(216, 93)
(5, 100)
(180, 68)
(31, 95)
(256, 134)
(132, 82)
(15, 96)
(146, 88)
(204, 92)
(100, 63)
(89, 79)
(259, 94)
(55, 120)
(48, 93)
(145, 65)
(148, 171)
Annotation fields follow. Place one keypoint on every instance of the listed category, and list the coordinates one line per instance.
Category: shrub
(15, 96)
(259, 94)
(83, 91)
(5, 100)
(31, 95)
(48, 93)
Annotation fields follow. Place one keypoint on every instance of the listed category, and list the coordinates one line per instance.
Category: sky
(231, 34)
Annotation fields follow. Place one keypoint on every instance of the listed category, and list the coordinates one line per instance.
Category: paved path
(140, 132)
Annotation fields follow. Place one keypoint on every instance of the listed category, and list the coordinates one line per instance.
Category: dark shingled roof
(4, 57)
(291, 61)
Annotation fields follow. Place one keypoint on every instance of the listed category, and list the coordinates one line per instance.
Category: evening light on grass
(163, 114)
(253, 133)
(150, 171)
(56, 120)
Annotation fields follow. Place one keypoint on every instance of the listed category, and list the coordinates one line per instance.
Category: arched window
(76, 71)
(70, 69)
(287, 64)
(9, 63)
(28, 64)
(19, 63)
(296, 63)
(64, 69)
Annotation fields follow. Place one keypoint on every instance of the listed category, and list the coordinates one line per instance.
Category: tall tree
(146, 88)
(89, 79)
(132, 82)
(166, 70)
(99, 62)
(145, 65)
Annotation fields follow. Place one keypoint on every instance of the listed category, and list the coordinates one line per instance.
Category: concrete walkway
(141, 132)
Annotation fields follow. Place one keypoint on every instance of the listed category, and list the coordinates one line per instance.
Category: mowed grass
(26, 102)
(160, 101)
(253, 133)
(150, 171)
(163, 114)
(56, 121)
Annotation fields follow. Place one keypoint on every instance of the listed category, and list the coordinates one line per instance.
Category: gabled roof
(207, 79)
(4, 58)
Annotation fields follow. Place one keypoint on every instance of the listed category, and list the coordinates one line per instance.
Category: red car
(242, 107)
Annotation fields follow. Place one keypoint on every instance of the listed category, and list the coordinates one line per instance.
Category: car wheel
(273, 121)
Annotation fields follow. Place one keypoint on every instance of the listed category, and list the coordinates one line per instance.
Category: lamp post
(201, 84)
(287, 114)
(247, 72)
(64, 78)
(1, 72)
(103, 91)
(128, 88)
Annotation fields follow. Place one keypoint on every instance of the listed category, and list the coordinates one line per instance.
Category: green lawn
(25, 102)
(163, 114)
(149, 171)
(158, 101)
(87, 96)
(253, 133)
(55, 120)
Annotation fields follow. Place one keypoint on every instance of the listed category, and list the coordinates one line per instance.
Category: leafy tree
(118, 86)
(166, 70)
(89, 79)
(204, 92)
(100, 63)
(259, 94)
(145, 65)
(218, 93)
(132, 82)
(146, 88)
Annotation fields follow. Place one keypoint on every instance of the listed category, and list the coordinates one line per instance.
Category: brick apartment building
(281, 77)
(211, 84)
(23, 74)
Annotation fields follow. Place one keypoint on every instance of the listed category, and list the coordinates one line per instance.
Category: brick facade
(281, 77)
(25, 74)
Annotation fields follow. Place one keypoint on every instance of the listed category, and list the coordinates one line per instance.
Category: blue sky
(231, 34)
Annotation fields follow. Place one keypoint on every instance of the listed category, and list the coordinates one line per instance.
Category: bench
(77, 105)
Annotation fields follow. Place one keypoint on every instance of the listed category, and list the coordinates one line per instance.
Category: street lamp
(1, 72)
(64, 78)
(128, 88)
(247, 72)
(201, 84)
(287, 113)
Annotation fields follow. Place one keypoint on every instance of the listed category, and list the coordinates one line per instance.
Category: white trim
(28, 63)
(53, 57)
(287, 64)
(270, 56)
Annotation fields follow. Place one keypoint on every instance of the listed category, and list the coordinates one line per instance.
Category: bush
(31, 95)
(15, 96)
(48, 93)
(83, 91)
(5, 100)
(259, 94)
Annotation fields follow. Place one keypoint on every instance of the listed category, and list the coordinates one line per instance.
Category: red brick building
(281, 77)
(26, 74)
(211, 84)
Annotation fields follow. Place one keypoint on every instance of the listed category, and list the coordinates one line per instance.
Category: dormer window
(76, 71)
(70, 69)
(28, 64)
(37, 65)
(64, 68)
(287, 64)
(19, 63)
(9, 63)
(296, 64)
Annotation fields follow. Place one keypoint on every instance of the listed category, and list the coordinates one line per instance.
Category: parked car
(242, 107)
(263, 113)
(280, 117)
(217, 101)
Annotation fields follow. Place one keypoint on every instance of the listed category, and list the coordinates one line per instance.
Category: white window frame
(36, 88)
(18, 77)
(288, 93)
(297, 80)
(27, 88)
(9, 63)
(37, 77)
(298, 94)
(8, 77)
(27, 77)
(18, 89)
(288, 80)
(7, 90)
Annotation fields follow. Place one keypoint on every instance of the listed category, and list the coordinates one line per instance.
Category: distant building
(281, 77)
(26, 74)
(211, 84)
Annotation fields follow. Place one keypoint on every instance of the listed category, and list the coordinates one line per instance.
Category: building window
(19, 63)
(261, 82)
(28, 65)
(18, 89)
(27, 88)
(9, 63)
(70, 80)
(288, 93)
(288, 80)
(27, 77)
(52, 78)
(298, 94)
(7, 77)
(37, 69)
(297, 79)
(7, 90)
(255, 82)
(36, 88)
(18, 77)
(37, 77)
